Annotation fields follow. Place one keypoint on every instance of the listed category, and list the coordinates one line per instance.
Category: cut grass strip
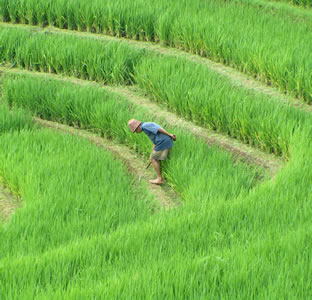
(239, 150)
(230, 247)
(208, 100)
(237, 78)
(203, 96)
(108, 114)
(164, 194)
(241, 34)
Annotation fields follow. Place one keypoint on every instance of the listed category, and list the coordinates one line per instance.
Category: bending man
(162, 143)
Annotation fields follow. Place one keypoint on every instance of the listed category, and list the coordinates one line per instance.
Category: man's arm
(161, 130)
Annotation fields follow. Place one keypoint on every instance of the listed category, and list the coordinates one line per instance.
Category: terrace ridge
(165, 195)
(237, 78)
(238, 149)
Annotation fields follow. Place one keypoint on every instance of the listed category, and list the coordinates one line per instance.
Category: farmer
(162, 143)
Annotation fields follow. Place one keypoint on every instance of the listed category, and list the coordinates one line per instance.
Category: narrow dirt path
(238, 149)
(237, 78)
(8, 204)
(164, 194)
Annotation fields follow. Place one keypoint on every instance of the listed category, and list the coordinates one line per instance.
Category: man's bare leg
(156, 165)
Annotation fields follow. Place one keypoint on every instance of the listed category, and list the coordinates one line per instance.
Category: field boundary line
(165, 195)
(237, 78)
(238, 149)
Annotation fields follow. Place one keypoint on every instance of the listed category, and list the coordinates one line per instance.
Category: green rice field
(78, 216)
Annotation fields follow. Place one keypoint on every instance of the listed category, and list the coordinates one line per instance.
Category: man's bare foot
(157, 181)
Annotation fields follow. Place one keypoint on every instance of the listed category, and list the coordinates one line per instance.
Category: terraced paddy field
(233, 218)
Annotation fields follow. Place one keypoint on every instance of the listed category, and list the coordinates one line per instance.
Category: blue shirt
(160, 140)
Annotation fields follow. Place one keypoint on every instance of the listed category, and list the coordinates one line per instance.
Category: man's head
(134, 125)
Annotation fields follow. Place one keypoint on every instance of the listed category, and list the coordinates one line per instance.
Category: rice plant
(244, 34)
(228, 248)
(87, 231)
(14, 120)
(107, 114)
(210, 100)
(203, 96)
(89, 223)
(109, 62)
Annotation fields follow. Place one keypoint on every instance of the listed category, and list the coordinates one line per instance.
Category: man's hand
(167, 133)
(173, 136)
